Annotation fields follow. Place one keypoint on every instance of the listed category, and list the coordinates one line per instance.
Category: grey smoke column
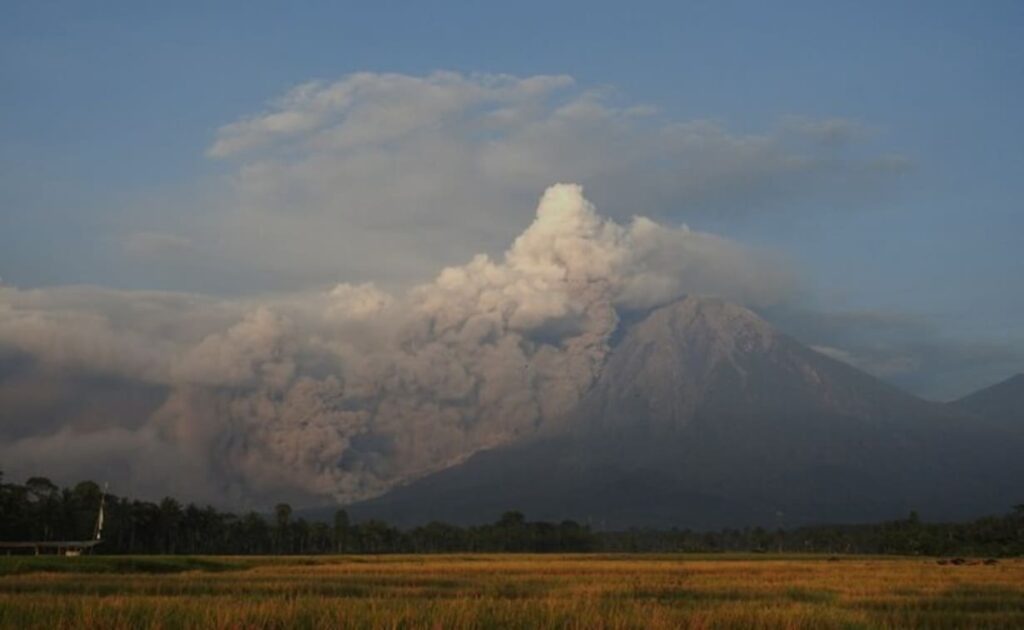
(347, 392)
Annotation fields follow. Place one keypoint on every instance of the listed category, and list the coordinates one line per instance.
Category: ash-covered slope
(705, 416)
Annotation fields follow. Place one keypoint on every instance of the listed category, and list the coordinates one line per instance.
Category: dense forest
(38, 510)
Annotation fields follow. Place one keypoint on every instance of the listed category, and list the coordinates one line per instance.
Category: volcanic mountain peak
(721, 327)
(705, 356)
(705, 416)
(691, 339)
(664, 365)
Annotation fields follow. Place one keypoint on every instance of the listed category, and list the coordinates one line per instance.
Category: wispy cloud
(904, 349)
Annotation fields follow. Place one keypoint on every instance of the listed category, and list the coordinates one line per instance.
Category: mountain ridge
(1002, 402)
(705, 416)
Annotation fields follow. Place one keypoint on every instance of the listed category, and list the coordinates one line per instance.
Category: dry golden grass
(477, 591)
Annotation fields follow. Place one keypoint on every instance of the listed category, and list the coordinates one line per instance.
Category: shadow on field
(17, 565)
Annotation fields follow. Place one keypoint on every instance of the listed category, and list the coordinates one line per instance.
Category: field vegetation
(510, 591)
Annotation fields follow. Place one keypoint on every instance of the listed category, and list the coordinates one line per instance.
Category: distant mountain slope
(705, 416)
(1002, 402)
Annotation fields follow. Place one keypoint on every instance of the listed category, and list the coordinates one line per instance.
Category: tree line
(39, 510)
(1001, 536)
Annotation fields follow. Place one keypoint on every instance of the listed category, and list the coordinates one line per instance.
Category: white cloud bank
(386, 177)
(345, 392)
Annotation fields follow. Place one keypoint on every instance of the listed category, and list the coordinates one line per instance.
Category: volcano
(705, 416)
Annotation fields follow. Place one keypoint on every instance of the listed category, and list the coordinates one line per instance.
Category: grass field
(486, 591)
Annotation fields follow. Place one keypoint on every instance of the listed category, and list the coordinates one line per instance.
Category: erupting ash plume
(347, 392)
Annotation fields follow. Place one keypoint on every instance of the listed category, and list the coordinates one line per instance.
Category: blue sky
(107, 116)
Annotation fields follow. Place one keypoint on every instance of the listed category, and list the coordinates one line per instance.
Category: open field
(473, 591)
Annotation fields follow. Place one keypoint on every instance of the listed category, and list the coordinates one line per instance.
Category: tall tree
(282, 518)
(341, 531)
(169, 520)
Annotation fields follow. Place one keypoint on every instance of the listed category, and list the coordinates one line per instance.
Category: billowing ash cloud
(346, 392)
(390, 176)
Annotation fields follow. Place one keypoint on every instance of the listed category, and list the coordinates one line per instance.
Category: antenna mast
(98, 533)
